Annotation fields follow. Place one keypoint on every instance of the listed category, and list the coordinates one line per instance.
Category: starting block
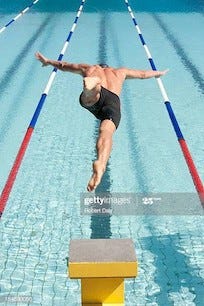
(102, 265)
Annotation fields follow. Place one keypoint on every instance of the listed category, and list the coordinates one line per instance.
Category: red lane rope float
(187, 155)
(13, 173)
(17, 163)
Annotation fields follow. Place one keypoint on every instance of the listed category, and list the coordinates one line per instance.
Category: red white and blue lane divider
(17, 163)
(18, 16)
(187, 155)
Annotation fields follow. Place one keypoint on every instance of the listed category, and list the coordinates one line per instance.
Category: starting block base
(102, 265)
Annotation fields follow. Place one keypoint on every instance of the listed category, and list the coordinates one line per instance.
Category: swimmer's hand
(161, 73)
(42, 59)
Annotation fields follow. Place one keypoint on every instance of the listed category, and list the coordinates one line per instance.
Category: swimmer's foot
(91, 82)
(98, 171)
(91, 86)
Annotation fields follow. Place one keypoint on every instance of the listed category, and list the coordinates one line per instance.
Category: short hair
(103, 65)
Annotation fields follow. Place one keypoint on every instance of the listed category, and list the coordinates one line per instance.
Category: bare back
(112, 79)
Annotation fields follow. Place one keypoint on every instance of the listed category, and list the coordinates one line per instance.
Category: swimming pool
(43, 210)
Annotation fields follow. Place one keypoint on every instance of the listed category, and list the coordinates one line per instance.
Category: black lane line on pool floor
(195, 73)
(100, 224)
(10, 75)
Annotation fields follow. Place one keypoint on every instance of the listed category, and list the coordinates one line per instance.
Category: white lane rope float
(17, 163)
(17, 16)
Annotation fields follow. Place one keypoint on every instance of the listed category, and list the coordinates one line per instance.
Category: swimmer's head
(103, 65)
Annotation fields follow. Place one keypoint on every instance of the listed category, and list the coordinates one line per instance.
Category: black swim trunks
(107, 107)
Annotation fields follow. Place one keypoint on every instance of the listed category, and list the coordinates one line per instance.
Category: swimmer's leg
(91, 90)
(104, 146)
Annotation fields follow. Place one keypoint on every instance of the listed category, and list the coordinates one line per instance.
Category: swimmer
(102, 86)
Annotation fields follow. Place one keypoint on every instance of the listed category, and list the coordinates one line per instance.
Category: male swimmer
(102, 86)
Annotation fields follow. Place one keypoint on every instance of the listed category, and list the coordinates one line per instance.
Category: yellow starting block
(102, 265)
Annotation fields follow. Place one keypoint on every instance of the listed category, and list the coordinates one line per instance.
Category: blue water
(43, 210)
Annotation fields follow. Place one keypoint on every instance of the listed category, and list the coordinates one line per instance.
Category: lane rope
(185, 150)
(17, 163)
(18, 16)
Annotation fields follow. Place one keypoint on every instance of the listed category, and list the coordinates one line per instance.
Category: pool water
(42, 214)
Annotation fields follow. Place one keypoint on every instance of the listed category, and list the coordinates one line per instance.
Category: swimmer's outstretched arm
(142, 74)
(64, 66)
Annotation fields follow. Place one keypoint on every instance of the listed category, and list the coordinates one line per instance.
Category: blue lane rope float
(17, 163)
(18, 16)
(187, 155)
